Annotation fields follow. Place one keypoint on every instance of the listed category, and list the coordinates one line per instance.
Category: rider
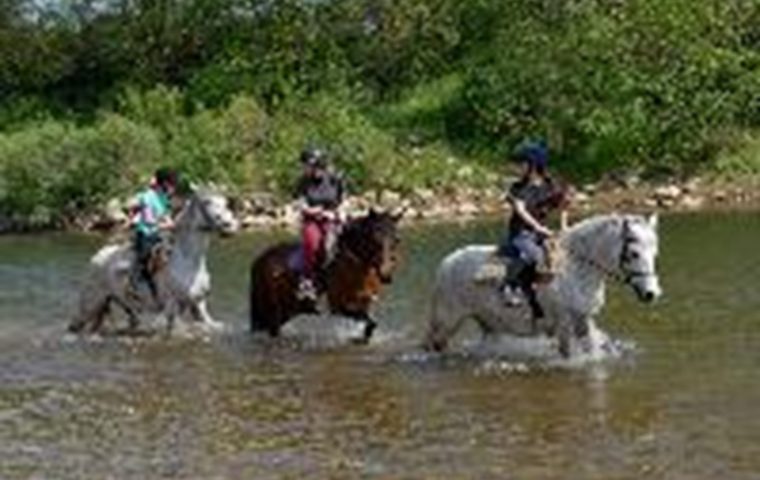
(320, 190)
(532, 197)
(150, 217)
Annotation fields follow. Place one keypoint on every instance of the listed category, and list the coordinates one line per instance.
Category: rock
(666, 203)
(423, 197)
(261, 202)
(590, 189)
(650, 203)
(581, 197)
(668, 193)
(691, 185)
(258, 221)
(355, 204)
(390, 199)
(720, 195)
(287, 216)
(114, 212)
(467, 209)
(691, 202)
(629, 182)
(412, 214)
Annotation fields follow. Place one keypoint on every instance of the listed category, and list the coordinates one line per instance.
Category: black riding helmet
(314, 157)
(167, 176)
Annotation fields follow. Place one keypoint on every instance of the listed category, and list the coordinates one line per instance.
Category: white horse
(183, 284)
(617, 246)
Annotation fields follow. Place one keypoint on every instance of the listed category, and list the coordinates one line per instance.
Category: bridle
(209, 223)
(358, 254)
(624, 273)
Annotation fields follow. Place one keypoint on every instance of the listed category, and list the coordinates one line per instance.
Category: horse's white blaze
(592, 250)
(184, 285)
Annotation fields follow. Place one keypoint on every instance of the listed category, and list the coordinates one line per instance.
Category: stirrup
(306, 291)
(512, 297)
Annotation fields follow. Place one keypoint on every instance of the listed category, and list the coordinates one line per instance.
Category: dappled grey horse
(183, 284)
(612, 246)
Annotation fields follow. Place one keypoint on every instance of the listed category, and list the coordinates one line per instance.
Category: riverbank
(264, 211)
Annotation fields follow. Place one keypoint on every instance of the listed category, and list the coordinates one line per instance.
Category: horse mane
(190, 201)
(355, 235)
(591, 224)
(589, 235)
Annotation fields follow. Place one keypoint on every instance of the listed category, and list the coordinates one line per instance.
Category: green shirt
(153, 206)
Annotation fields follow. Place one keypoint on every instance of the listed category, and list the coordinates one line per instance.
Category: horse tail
(261, 297)
(91, 311)
(435, 340)
(255, 313)
(439, 330)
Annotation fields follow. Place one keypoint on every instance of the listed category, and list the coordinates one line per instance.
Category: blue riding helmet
(535, 154)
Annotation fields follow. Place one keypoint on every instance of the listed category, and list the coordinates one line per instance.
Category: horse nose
(650, 296)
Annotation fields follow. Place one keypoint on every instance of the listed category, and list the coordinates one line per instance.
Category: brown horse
(365, 258)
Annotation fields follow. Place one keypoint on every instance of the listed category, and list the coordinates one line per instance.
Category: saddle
(495, 268)
(159, 257)
(160, 254)
(295, 261)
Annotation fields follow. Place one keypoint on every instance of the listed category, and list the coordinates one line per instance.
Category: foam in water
(505, 353)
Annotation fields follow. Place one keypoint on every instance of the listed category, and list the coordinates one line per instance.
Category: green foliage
(62, 169)
(645, 83)
(405, 93)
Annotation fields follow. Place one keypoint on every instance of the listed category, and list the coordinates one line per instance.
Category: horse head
(374, 238)
(212, 212)
(638, 256)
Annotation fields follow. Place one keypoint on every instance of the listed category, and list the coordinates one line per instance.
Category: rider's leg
(144, 245)
(511, 252)
(138, 270)
(311, 240)
(532, 254)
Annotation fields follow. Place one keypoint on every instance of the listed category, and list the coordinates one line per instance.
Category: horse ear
(399, 214)
(653, 220)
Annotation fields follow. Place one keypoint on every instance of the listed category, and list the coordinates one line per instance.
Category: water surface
(683, 405)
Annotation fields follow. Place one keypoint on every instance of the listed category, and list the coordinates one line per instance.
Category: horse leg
(172, 309)
(132, 318)
(446, 319)
(91, 315)
(199, 311)
(370, 325)
(363, 316)
(566, 329)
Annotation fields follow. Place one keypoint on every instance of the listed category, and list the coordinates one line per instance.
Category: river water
(683, 403)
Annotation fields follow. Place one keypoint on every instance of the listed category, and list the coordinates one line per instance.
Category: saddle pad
(493, 270)
(296, 261)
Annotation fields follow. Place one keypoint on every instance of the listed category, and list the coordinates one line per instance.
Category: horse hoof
(212, 326)
(75, 328)
(369, 330)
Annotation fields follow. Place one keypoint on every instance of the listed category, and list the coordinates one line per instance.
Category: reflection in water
(681, 404)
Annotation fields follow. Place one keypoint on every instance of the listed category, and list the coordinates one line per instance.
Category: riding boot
(527, 278)
(152, 287)
(510, 287)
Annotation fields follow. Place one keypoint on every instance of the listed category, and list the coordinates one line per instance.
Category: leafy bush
(62, 169)
(645, 83)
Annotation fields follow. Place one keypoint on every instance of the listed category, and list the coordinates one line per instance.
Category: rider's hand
(546, 232)
(167, 224)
